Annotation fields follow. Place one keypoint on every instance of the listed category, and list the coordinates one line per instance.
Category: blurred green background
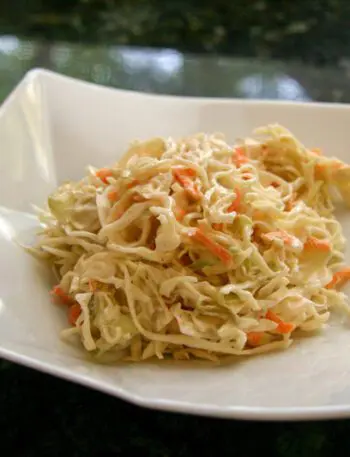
(276, 49)
(315, 30)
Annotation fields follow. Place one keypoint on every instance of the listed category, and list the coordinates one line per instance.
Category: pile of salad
(196, 248)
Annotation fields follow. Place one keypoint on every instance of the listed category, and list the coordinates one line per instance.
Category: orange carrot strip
(188, 172)
(240, 158)
(319, 169)
(273, 317)
(285, 327)
(236, 203)
(289, 205)
(256, 235)
(215, 248)
(312, 243)
(193, 192)
(180, 174)
(339, 278)
(282, 327)
(180, 214)
(112, 196)
(64, 298)
(218, 227)
(291, 202)
(254, 338)
(284, 236)
(103, 174)
(187, 183)
(133, 183)
(73, 313)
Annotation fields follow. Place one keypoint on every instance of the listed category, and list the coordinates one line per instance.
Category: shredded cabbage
(198, 249)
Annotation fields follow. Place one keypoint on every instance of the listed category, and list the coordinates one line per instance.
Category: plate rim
(251, 413)
(39, 74)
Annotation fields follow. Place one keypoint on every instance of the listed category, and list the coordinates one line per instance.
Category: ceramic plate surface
(51, 127)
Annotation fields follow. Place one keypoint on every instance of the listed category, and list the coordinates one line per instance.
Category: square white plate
(51, 127)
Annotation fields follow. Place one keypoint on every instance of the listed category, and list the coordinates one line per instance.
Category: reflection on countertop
(168, 71)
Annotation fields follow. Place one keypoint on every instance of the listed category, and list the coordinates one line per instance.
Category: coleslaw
(195, 248)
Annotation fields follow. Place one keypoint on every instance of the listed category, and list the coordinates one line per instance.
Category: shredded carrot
(103, 174)
(319, 169)
(180, 173)
(112, 196)
(282, 327)
(215, 248)
(236, 203)
(256, 235)
(284, 236)
(285, 327)
(182, 176)
(273, 317)
(291, 202)
(180, 214)
(339, 278)
(289, 205)
(218, 227)
(275, 184)
(312, 243)
(240, 157)
(133, 183)
(254, 338)
(188, 172)
(73, 313)
(62, 297)
(193, 192)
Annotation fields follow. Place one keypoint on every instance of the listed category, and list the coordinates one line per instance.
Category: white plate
(50, 128)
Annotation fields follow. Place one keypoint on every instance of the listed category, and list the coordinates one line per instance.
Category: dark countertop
(42, 415)
(258, 49)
